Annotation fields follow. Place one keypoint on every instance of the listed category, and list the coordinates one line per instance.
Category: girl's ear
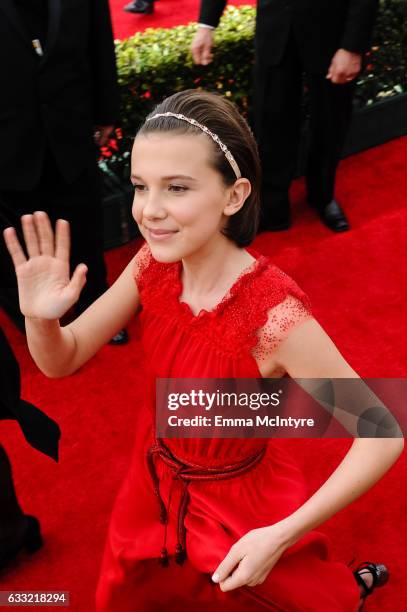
(237, 196)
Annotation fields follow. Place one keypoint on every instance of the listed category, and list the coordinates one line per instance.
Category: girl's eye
(138, 187)
(177, 188)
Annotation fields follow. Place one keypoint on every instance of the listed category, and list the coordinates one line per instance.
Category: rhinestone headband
(214, 137)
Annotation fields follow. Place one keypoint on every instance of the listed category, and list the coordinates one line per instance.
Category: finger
(226, 566)
(239, 578)
(197, 52)
(330, 71)
(334, 76)
(44, 232)
(14, 247)
(30, 235)
(62, 240)
(257, 578)
(207, 52)
(207, 59)
(78, 279)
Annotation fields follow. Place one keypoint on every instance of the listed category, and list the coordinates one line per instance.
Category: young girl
(229, 519)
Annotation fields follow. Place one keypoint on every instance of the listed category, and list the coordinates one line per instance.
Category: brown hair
(222, 117)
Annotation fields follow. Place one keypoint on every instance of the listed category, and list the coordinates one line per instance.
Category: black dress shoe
(140, 6)
(28, 537)
(333, 217)
(122, 337)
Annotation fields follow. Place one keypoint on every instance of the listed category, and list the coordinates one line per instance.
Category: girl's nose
(153, 208)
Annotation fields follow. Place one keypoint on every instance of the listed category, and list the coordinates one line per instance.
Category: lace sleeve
(141, 263)
(281, 320)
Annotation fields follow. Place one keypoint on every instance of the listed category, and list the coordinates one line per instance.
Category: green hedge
(157, 62)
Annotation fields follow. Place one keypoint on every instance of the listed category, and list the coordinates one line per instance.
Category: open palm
(45, 288)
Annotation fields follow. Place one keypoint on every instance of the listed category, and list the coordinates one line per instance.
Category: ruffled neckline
(252, 270)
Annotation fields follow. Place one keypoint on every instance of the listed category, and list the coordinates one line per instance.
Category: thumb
(78, 279)
(197, 53)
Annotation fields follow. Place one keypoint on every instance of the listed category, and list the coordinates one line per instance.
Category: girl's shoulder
(272, 285)
(255, 316)
(267, 305)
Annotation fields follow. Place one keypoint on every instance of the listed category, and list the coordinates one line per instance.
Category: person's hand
(201, 47)
(345, 66)
(44, 285)
(102, 133)
(251, 558)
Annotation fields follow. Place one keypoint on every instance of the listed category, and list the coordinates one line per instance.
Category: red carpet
(167, 13)
(357, 283)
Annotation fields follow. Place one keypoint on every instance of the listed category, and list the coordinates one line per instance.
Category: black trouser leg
(9, 216)
(331, 111)
(277, 120)
(10, 511)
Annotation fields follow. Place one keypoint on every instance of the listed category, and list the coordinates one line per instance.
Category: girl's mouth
(160, 234)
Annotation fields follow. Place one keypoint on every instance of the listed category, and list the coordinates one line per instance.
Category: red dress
(221, 343)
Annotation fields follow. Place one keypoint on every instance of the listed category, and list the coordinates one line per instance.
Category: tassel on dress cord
(180, 554)
(188, 472)
(164, 561)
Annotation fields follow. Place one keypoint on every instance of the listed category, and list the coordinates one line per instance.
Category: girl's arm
(60, 351)
(47, 291)
(366, 462)
(308, 352)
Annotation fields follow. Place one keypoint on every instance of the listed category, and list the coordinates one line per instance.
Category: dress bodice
(253, 318)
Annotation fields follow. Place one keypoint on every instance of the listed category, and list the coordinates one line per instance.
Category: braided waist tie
(186, 471)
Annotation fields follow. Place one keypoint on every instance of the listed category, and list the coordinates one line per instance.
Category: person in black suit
(18, 530)
(326, 40)
(59, 85)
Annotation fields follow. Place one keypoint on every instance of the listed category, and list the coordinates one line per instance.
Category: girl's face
(180, 201)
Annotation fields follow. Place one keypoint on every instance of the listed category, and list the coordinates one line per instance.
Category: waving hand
(45, 288)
